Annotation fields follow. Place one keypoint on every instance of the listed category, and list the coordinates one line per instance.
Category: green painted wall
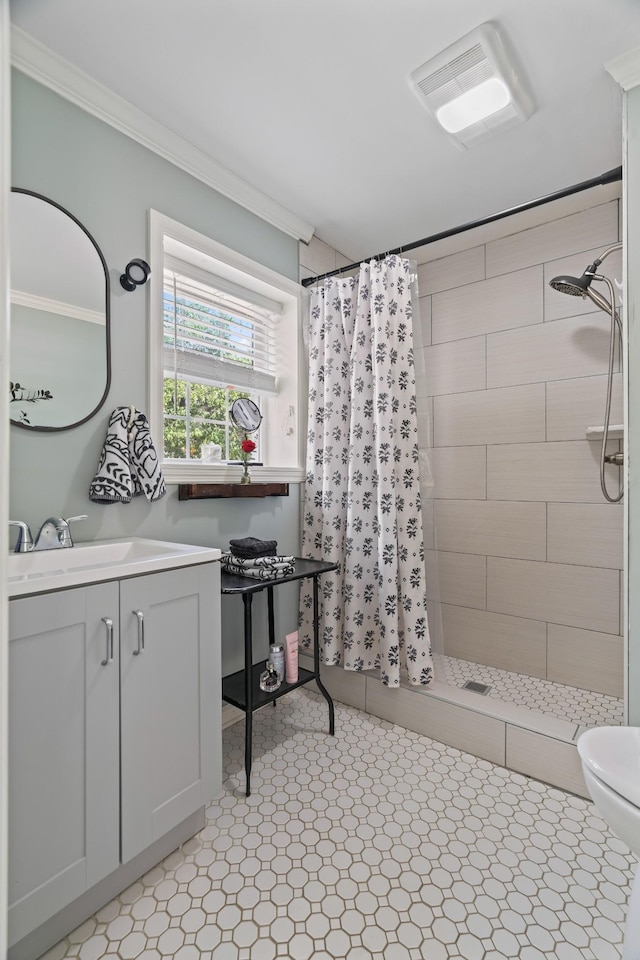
(109, 183)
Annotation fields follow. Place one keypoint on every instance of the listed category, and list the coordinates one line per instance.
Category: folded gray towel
(129, 464)
(250, 547)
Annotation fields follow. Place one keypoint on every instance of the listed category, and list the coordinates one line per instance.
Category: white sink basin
(43, 570)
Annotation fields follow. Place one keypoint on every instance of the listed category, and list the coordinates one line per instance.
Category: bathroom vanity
(114, 723)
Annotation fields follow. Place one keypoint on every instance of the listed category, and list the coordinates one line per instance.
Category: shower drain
(476, 687)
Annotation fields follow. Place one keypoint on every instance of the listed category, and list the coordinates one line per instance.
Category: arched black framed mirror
(60, 359)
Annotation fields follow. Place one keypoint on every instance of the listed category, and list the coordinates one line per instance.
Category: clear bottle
(276, 656)
(269, 679)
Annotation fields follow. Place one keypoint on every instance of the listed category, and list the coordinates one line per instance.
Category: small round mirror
(245, 414)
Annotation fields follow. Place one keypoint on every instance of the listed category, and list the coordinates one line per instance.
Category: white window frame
(284, 416)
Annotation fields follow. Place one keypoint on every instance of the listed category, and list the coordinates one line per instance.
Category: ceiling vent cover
(473, 88)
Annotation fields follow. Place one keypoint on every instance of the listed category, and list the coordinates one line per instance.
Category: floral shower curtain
(362, 501)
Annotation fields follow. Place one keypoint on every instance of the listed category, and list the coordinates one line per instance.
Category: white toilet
(611, 766)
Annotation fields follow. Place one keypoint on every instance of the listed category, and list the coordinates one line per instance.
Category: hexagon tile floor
(378, 844)
(546, 696)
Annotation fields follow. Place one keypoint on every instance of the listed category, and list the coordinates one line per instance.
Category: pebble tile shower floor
(378, 844)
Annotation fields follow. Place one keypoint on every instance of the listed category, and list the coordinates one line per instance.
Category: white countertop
(44, 570)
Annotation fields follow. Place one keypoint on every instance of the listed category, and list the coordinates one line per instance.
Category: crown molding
(37, 61)
(23, 299)
(625, 69)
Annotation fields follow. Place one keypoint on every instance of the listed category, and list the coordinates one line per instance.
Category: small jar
(211, 453)
(276, 656)
(269, 680)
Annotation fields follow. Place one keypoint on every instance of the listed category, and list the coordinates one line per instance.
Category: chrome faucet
(24, 543)
(54, 534)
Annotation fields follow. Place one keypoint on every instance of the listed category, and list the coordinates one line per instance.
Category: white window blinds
(217, 332)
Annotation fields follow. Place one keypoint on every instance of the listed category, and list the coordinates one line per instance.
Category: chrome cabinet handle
(140, 615)
(108, 622)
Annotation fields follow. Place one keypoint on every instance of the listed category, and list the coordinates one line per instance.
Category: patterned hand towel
(260, 568)
(265, 563)
(259, 573)
(129, 463)
(250, 547)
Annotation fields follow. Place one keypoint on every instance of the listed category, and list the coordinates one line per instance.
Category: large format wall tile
(428, 521)
(574, 596)
(558, 305)
(434, 620)
(455, 367)
(456, 578)
(446, 722)
(512, 300)
(549, 241)
(451, 271)
(490, 416)
(562, 472)
(575, 347)
(419, 370)
(494, 527)
(422, 324)
(512, 482)
(459, 473)
(584, 658)
(546, 759)
(424, 410)
(585, 533)
(574, 405)
(509, 643)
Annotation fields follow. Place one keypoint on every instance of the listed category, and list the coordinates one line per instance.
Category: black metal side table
(242, 689)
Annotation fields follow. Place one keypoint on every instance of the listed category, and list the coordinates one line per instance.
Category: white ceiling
(310, 101)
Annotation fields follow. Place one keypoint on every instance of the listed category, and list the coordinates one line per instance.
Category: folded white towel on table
(129, 464)
(261, 568)
(257, 562)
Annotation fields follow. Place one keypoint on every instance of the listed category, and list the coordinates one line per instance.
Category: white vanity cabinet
(111, 745)
(170, 700)
(63, 750)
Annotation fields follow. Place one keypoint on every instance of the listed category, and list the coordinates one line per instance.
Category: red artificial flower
(248, 446)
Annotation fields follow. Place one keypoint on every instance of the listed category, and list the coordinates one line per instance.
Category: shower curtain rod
(609, 177)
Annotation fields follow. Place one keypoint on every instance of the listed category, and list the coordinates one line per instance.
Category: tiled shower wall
(524, 555)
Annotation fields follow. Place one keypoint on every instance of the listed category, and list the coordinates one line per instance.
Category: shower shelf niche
(616, 432)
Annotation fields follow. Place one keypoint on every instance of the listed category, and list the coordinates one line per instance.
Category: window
(196, 414)
(222, 327)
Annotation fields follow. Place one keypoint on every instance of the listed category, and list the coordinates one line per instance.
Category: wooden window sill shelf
(215, 491)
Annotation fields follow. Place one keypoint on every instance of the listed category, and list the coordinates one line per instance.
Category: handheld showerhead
(581, 287)
(574, 286)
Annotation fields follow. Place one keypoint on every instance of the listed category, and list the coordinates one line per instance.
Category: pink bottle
(291, 657)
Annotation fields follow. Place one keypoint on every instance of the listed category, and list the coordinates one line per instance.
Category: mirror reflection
(59, 366)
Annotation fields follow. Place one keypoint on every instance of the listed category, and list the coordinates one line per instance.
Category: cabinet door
(63, 751)
(170, 700)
